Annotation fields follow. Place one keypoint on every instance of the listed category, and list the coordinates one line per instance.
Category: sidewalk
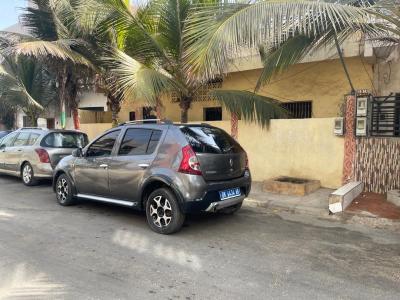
(369, 209)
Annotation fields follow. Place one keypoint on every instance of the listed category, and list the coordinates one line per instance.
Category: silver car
(33, 153)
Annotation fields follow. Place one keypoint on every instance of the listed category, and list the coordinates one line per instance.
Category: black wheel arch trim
(167, 181)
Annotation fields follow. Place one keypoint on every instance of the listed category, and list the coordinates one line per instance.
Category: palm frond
(217, 33)
(59, 49)
(14, 92)
(39, 19)
(115, 15)
(250, 106)
(278, 59)
(138, 81)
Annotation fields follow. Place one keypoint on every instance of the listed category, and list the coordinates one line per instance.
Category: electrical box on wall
(339, 126)
(361, 126)
(362, 106)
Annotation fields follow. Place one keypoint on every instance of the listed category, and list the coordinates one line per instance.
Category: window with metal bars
(298, 109)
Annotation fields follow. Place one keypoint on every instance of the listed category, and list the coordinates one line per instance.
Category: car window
(8, 140)
(3, 134)
(33, 138)
(65, 140)
(155, 138)
(22, 139)
(135, 142)
(210, 140)
(104, 145)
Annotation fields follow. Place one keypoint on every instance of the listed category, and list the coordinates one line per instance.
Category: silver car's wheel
(27, 175)
(164, 214)
(160, 211)
(64, 191)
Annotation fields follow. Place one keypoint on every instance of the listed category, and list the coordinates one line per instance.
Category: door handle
(104, 166)
(144, 166)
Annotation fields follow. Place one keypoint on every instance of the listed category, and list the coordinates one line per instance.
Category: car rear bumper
(43, 170)
(215, 206)
(210, 201)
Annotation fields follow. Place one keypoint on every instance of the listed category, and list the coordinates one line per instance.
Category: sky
(9, 11)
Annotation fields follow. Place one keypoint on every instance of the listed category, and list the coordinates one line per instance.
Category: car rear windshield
(65, 140)
(205, 139)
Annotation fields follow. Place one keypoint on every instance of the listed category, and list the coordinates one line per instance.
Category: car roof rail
(146, 121)
(30, 128)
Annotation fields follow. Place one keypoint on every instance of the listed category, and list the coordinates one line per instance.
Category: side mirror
(77, 153)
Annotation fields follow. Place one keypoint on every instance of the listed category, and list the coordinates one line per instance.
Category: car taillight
(247, 161)
(43, 155)
(189, 164)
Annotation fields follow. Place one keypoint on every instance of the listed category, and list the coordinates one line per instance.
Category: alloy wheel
(160, 211)
(27, 173)
(62, 189)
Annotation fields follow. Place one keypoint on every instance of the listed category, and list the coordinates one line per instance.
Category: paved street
(96, 251)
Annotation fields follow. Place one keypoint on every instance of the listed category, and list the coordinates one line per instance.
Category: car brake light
(189, 164)
(247, 161)
(43, 155)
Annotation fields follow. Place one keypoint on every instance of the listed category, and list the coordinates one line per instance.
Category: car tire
(230, 210)
(28, 175)
(64, 191)
(163, 212)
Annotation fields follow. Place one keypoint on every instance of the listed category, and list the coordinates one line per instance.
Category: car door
(135, 154)
(5, 144)
(91, 170)
(15, 152)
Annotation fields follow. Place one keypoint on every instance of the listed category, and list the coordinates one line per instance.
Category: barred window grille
(201, 93)
(298, 109)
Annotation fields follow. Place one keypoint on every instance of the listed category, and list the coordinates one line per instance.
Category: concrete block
(393, 196)
(342, 197)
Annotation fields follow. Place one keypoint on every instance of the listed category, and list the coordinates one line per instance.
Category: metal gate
(385, 116)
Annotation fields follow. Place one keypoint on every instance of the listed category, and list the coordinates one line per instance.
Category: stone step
(342, 197)
(393, 196)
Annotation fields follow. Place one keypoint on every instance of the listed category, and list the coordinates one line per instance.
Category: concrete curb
(344, 217)
(300, 209)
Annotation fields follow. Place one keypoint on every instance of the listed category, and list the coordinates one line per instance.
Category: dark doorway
(132, 116)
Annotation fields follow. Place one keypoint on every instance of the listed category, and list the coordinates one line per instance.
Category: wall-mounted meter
(339, 126)
(361, 126)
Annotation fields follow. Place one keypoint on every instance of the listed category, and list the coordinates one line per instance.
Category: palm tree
(26, 84)
(100, 42)
(57, 44)
(151, 63)
(283, 32)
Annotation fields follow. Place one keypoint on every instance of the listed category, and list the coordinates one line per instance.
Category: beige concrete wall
(95, 129)
(299, 148)
(387, 72)
(324, 83)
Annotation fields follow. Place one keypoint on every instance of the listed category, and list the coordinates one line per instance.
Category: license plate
(231, 193)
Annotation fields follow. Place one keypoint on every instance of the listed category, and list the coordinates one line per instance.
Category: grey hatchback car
(165, 169)
(33, 153)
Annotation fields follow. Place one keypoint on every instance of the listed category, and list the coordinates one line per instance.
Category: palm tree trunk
(185, 106)
(62, 87)
(159, 108)
(234, 126)
(115, 106)
(77, 122)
